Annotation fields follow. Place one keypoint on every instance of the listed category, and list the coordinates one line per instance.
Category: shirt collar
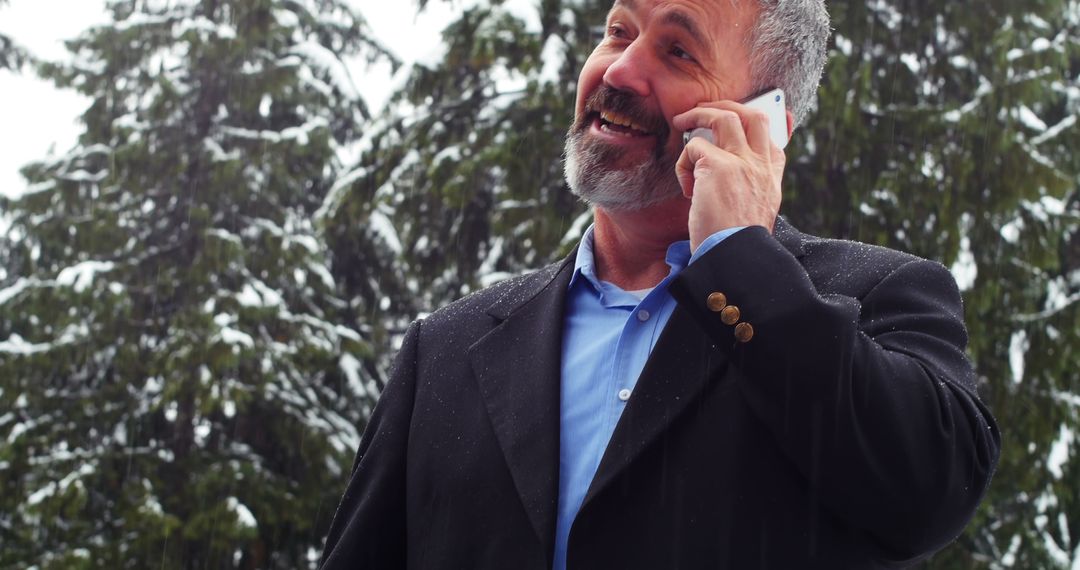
(677, 258)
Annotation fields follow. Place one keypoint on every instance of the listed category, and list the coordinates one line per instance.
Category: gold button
(717, 302)
(730, 315)
(744, 332)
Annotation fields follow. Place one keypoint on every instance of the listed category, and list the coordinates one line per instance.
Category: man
(700, 385)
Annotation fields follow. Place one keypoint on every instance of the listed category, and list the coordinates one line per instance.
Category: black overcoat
(846, 433)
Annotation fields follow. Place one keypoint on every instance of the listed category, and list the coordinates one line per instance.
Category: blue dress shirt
(608, 335)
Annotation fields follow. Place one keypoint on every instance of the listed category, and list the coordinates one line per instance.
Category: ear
(790, 123)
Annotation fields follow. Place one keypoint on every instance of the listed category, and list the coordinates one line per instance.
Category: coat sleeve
(872, 398)
(368, 530)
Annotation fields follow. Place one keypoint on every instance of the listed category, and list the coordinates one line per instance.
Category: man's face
(658, 58)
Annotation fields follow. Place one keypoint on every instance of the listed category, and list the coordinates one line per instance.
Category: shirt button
(643, 315)
(624, 394)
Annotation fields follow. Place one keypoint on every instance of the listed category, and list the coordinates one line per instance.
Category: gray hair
(788, 50)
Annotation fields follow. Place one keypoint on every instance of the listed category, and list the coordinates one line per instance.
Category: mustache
(624, 103)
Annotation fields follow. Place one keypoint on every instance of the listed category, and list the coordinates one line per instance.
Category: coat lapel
(679, 369)
(682, 364)
(517, 366)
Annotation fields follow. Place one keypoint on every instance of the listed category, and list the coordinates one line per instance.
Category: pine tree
(944, 129)
(462, 175)
(180, 384)
(948, 131)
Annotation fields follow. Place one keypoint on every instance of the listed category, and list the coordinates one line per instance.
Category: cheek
(686, 93)
(711, 88)
(591, 76)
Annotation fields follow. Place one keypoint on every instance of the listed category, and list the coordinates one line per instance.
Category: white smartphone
(772, 102)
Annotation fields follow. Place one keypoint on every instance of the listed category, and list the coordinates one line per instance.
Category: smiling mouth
(618, 124)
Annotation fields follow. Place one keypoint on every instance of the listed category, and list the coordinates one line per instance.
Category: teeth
(620, 120)
(608, 129)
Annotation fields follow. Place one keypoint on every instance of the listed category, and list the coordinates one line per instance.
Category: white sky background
(36, 117)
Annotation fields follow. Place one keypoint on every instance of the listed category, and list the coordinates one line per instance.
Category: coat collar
(520, 295)
(792, 239)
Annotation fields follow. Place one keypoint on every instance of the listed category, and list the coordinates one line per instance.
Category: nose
(630, 71)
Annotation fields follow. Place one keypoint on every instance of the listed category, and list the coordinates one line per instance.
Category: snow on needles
(13, 290)
(1030, 119)
(1059, 451)
(964, 269)
(328, 61)
(81, 275)
(1018, 347)
(380, 223)
(242, 512)
(54, 487)
(352, 369)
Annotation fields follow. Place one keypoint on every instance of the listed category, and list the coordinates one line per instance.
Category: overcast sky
(36, 118)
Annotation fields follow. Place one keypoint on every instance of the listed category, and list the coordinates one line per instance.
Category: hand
(735, 182)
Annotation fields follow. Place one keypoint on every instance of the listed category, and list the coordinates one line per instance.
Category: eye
(616, 31)
(680, 53)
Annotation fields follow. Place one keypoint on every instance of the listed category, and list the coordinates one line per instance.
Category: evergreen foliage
(949, 131)
(944, 129)
(461, 178)
(180, 384)
(11, 55)
(183, 382)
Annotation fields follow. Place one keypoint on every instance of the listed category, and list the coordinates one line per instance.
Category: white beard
(635, 188)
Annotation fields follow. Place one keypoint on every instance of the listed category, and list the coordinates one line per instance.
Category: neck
(630, 248)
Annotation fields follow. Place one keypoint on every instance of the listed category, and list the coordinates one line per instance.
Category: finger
(684, 170)
(726, 126)
(755, 124)
(698, 157)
